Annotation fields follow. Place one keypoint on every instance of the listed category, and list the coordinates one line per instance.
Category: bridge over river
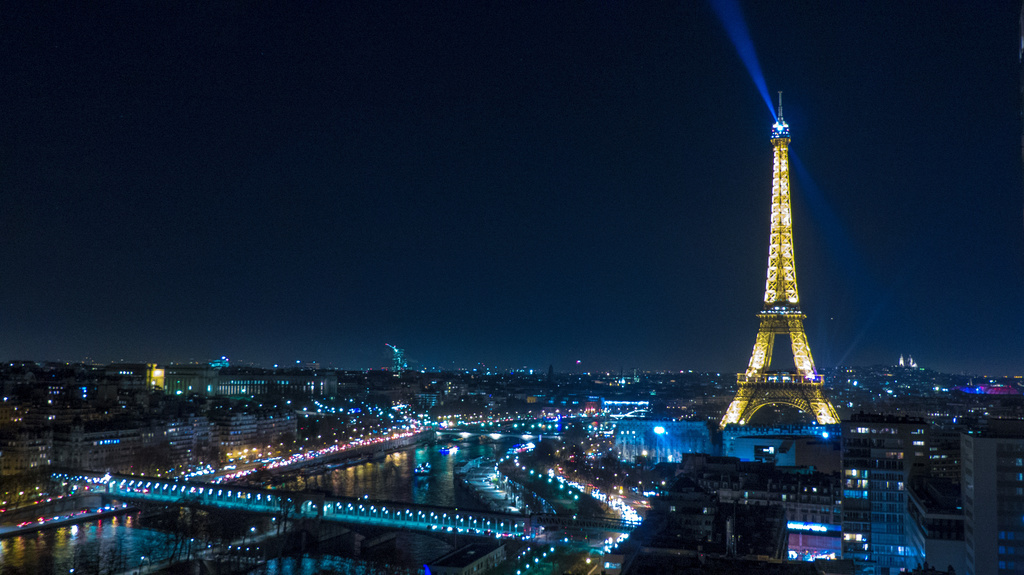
(348, 510)
(464, 433)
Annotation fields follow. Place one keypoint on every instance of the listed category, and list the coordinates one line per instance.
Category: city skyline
(526, 184)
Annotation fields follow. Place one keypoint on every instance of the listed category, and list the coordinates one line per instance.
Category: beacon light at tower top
(780, 129)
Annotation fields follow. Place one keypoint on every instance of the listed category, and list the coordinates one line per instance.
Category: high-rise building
(935, 522)
(880, 455)
(992, 480)
(944, 452)
(1021, 60)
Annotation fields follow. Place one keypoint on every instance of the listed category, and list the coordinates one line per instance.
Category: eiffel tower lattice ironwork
(781, 315)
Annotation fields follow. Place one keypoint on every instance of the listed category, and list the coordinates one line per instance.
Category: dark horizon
(537, 371)
(521, 184)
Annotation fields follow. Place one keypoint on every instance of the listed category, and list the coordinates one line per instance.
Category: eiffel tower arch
(781, 315)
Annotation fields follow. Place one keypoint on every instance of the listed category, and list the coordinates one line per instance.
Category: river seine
(120, 544)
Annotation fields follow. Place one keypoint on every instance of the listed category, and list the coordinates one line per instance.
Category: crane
(398, 359)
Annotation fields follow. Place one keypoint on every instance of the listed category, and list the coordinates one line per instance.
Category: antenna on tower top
(780, 129)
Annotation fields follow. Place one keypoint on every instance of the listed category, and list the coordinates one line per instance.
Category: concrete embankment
(478, 476)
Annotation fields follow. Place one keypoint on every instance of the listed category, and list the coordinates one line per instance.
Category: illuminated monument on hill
(781, 314)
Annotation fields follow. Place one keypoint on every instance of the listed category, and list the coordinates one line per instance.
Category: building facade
(243, 435)
(25, 450)
(660, 440)
(186, 379)
(935, 522)
(98, 446)
(993, 498)
(880, 455)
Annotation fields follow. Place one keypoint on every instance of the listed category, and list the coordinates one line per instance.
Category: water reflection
(109, 545)
(329, 564)
(392, 479)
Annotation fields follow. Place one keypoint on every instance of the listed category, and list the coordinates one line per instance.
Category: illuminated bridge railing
(432, 519)
(298, 504)
(259, 501)
(551, 521)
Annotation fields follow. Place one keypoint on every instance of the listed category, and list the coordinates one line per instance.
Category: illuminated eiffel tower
(759, 387)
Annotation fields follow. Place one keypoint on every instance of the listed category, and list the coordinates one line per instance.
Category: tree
(192, 522)
(155, 460)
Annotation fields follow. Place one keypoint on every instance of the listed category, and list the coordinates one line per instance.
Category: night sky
(506, 183)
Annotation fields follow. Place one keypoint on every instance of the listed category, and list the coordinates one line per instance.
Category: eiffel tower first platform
(781, 315)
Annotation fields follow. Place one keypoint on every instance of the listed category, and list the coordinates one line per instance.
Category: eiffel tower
(781, 314)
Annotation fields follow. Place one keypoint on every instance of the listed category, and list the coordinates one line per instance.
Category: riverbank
(479, 478)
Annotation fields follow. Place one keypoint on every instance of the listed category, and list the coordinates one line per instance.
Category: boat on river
(422, 469)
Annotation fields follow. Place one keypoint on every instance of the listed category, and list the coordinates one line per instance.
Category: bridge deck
(341, 509)
(297, 504)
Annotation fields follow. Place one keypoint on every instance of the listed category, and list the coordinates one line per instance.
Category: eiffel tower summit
(781, 315)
